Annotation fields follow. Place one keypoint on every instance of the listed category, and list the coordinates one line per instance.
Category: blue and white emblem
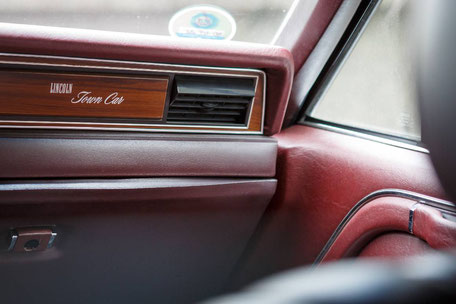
(204, 22)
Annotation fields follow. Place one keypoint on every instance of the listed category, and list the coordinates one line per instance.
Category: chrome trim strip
(117, 124)
(120, 184)
(151, 130)
(420, 198)
(52, 239)
(379, 139)
(411, 216)
(13, 241)
(173, 69)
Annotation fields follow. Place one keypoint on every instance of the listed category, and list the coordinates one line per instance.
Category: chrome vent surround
(224, 101)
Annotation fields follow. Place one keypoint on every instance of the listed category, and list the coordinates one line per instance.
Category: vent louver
(213, 101)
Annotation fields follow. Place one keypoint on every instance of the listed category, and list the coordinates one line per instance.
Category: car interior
(297, 151)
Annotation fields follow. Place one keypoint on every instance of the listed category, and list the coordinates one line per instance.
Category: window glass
(374, 88)
(252, 20)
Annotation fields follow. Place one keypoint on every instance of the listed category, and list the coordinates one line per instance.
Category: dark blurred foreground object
(425, 279)
(436, 83)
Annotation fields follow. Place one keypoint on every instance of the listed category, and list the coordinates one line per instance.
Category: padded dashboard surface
(28, 154)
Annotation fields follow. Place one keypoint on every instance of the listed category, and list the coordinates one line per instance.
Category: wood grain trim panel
(138, 70)
(81, 95)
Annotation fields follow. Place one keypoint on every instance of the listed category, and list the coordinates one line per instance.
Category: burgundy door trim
(419, 198)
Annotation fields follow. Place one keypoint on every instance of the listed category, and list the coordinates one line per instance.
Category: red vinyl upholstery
(430, 225)
(382, 215)
(321, 176)
(391, 214)
(395, 245)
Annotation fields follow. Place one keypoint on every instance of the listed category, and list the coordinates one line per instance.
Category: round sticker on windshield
(205, 22)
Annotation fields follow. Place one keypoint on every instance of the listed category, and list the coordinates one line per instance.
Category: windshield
(240, 20)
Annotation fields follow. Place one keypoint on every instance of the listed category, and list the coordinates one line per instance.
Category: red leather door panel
(321, 176)
(395, 245)
(391, 214)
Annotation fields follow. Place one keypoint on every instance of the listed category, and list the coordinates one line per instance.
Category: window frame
(336, 60)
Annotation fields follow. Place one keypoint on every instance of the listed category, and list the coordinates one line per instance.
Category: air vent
(212, 101)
